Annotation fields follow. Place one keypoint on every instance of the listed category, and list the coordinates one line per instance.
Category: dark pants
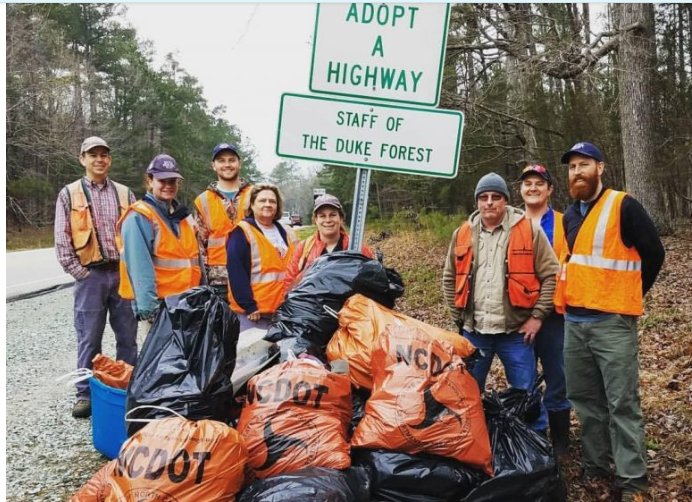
(548, 347)
(95, 296)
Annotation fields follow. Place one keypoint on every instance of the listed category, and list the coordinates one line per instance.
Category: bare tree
(637, 56)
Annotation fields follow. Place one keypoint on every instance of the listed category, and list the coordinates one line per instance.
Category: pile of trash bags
(367, 405)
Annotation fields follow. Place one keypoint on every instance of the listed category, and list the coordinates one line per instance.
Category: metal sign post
(360, 209)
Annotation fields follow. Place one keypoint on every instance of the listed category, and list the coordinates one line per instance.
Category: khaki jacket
(545, 264)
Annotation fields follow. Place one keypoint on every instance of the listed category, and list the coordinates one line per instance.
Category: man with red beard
(612, 259)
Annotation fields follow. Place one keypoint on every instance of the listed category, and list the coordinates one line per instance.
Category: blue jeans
(517, 358)
(548, 347)
(94, 297)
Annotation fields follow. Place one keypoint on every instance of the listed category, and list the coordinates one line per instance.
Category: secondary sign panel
(392, 52)
(372, 135)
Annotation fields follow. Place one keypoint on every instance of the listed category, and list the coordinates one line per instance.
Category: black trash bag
(523, 463)
(187, 360)
(311, 484)
(401, 477)
(525, 405)
(327, 284)
(359, 397)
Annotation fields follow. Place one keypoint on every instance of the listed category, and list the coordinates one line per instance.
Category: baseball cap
(583, 148)
(164, 167)
(224, 146)
(536, 169)
(93, 142)
(327, 200)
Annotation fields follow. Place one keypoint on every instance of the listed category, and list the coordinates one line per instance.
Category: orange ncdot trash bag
(182, 460)
(97, 488)
(297, 415)
(424, 401)
(112, 373)
(361, 321)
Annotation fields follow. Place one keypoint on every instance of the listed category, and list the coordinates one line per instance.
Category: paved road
(33, 271)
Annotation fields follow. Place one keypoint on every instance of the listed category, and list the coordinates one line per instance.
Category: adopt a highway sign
(379, 136)
(381, 51)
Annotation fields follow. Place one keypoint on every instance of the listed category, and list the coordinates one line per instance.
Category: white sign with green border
(370, 135)
(390, 52)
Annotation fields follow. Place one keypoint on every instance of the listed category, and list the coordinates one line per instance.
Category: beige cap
(93, 142)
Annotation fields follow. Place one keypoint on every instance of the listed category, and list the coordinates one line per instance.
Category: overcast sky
(244, 56)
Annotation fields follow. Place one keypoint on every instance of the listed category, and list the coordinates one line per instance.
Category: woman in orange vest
(158, 241)
(258, 251)
(328, 216)
(536, 188)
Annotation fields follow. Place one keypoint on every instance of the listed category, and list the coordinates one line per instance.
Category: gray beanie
(492, 182)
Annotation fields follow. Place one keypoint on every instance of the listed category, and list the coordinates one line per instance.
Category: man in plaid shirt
(85, 216)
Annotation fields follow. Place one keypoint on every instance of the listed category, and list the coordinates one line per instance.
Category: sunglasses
(535, 168)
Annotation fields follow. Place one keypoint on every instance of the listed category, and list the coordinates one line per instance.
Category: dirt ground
(665, 359)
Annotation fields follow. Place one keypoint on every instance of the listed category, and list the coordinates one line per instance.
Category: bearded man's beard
(584, 191)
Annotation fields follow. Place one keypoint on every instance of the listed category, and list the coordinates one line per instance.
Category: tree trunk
(637, 53)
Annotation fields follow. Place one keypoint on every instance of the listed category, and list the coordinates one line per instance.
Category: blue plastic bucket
(107, 418)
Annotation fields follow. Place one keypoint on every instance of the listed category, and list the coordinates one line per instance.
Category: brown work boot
(634, 497)
(82, 408)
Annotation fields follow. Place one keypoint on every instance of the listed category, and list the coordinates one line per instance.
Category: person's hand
(255, 316)
(530, 328)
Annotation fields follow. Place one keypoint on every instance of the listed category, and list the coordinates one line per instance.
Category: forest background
(531, 79)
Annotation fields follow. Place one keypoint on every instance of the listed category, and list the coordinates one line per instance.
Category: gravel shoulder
(49, 454)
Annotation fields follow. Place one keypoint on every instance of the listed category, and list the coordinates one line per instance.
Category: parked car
(296, 219)
(285, 218)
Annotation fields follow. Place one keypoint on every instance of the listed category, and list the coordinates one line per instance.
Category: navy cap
(164, 167)
(583, 148)
(224, 146)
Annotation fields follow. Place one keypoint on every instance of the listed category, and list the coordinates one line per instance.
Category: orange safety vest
(523, 287)
(176, 259)
(310, 252)
(85, 239)
(210, 207)
(268, 269)
(601, 273)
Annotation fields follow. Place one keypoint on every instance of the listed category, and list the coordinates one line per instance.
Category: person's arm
(64, 250)
(638, 230)
(238, 265)
(202, 230)
(449, 280)
(366, 251)
(138, 245)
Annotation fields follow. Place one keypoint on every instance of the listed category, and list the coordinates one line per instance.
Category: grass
(29, 238)
(436, 227)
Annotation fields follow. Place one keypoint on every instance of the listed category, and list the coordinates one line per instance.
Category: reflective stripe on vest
(267, 269)
(175, 259)
(211, 207)
(602, 273)
(559, 246)
(523, 287)
(85, 239)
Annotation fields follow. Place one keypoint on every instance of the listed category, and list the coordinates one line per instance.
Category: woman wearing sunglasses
(157, 237)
